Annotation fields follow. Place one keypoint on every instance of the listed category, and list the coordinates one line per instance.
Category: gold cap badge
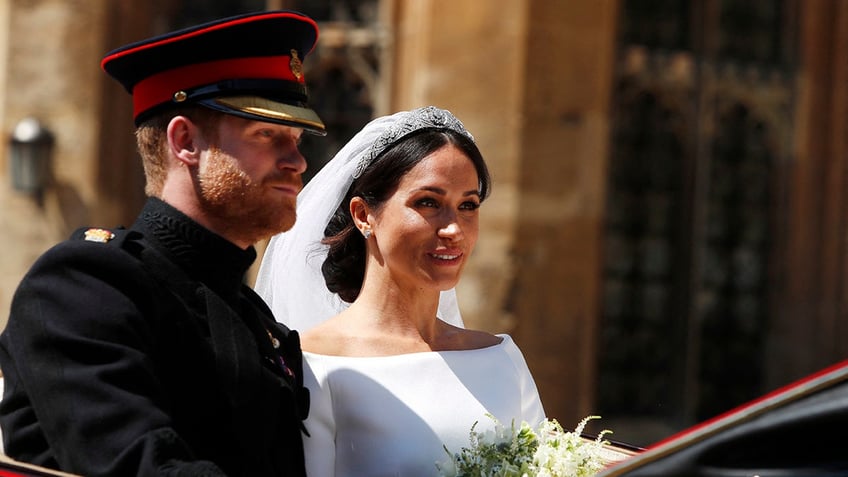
(99, 235)
(295, 65)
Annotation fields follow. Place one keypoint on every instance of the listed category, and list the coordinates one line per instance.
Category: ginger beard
(241, 206)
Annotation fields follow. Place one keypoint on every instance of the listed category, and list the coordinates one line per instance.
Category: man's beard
(240, 207)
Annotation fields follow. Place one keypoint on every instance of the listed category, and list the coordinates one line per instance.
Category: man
(140, 351)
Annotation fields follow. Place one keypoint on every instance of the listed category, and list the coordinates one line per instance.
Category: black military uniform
(141, 351)
(167, 359)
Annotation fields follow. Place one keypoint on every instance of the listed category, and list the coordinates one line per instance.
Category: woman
(387, 227)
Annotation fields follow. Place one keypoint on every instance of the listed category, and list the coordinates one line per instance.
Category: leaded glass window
(702, 109)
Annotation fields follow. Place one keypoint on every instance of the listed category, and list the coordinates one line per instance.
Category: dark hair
(344, 267)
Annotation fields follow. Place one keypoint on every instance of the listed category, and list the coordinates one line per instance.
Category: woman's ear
(359, 211)
(183, 137)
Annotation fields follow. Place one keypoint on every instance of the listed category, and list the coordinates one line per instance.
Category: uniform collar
(203, 254)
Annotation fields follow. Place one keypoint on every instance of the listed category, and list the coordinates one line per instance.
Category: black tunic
(147, 355)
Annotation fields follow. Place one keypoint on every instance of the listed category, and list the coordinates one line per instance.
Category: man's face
(249, 179)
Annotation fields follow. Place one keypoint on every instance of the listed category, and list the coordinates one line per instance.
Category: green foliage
(548, 451)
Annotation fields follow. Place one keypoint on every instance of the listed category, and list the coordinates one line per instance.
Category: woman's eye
(427, 203)
(470, 205)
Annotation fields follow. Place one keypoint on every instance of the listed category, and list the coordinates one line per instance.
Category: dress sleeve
(320, 445)
(76, 354)
(532, 411)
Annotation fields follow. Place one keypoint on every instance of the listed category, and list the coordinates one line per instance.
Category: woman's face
(426, 229)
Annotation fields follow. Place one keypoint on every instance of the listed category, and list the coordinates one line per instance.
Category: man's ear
(183, 138)
(359, 210)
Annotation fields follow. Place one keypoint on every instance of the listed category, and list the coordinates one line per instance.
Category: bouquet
(547, 451)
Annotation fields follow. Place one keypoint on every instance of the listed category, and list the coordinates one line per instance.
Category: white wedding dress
(392, 415)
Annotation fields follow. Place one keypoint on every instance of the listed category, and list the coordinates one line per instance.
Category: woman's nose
(451, 230)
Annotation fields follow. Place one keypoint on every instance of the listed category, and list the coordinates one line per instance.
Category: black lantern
(29, 151)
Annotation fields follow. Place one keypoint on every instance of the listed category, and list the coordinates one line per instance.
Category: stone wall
(45, 78)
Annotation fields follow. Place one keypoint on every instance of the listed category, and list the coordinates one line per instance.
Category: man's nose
(292, 159)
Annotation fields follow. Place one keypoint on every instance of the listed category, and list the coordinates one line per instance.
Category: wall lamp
(30, 149)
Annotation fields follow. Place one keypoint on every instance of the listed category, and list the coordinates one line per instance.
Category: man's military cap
(248, 65)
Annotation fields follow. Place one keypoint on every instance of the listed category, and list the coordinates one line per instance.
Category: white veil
(290, 278)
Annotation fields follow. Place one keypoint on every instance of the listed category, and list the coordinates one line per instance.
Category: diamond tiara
(421, 118)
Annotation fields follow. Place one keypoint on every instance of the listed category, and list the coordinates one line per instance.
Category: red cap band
(160, 88)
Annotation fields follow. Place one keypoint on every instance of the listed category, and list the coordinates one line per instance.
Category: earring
(366, 233)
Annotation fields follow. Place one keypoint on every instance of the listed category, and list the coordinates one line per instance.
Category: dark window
(702, 109)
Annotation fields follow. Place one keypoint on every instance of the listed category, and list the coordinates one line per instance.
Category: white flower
(547, 451)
